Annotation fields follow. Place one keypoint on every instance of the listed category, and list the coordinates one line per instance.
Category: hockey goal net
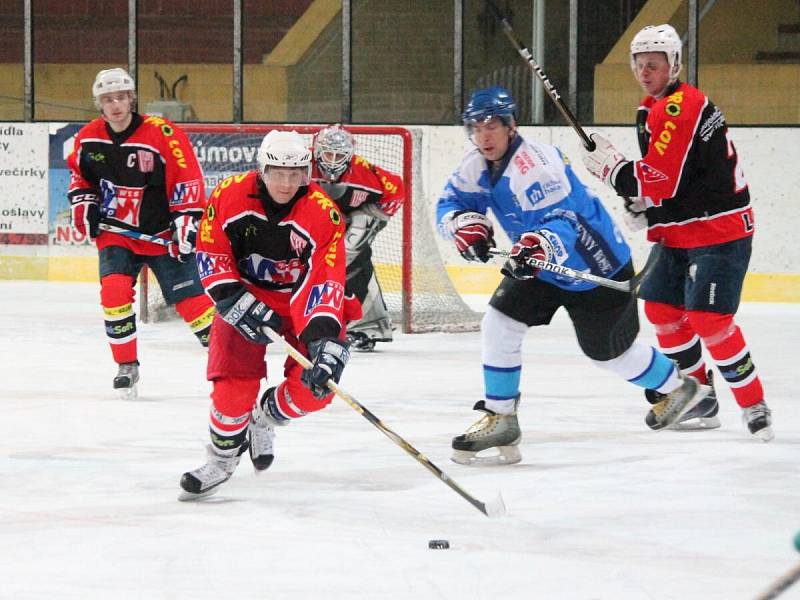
(417, 290)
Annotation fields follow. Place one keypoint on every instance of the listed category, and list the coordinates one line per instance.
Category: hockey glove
(531, 246)
(248, 314)
(329, 356)
(85, 214)
(184, 233)
(634, 215)
(604, 161)
(473, 234)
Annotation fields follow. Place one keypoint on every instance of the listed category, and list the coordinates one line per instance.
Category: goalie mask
(659, 38)
(333, 151)
(284, 149)
(108, 81)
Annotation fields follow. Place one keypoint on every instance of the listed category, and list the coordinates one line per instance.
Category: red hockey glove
(474, 235)
(530, 246)
(85, 214)
(184, 233)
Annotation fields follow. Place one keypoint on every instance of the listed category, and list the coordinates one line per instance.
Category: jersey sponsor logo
(330, 255)
(225, 183)
(322, 200)
(185, 193)
(651, 174)
(538, 191)
(96, 156)
(711, 124)
(121, 202)
(205, 231)
(329, 294)
(358, 198)
(523, 162)
(389, 186)
(209, 264)
(335, 216)
(145, 160)
(282, 272)
(297, 242)
(360, 160)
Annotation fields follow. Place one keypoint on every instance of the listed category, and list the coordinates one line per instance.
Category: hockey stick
(496, 508)
(628, 286)
(781, 585)
(136, 235)
(534, 66)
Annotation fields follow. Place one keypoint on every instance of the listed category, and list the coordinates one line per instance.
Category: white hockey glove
(634, 215)
(473, 234)
(604, 161)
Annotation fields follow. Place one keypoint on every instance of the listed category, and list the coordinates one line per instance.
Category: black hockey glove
(329, 356)
(248, 315)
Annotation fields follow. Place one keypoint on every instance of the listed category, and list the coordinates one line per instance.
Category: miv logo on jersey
(213, 264)
(121, 202)
(260, 268)
(329, 294)
(186, 192)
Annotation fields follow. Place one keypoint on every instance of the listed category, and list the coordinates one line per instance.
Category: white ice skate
(758, 420)
(125, 381)
(206, 480)
(261, 432)
(677, 403)
(492, 431)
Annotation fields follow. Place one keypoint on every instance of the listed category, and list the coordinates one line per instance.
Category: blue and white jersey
(535, 189)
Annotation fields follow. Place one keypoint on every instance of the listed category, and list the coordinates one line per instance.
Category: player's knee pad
(234, 396)
(116, 290)
(501, 339)
(712, 327)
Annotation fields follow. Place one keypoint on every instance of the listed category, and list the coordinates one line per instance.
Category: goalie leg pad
(375, 325)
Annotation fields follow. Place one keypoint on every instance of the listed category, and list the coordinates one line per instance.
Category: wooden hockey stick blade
(781, 585)
(135, 235)
(493, 509)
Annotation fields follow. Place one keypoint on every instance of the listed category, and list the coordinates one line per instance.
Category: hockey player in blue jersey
(549, 215)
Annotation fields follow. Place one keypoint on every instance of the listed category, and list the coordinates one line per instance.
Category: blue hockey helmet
(490, 102)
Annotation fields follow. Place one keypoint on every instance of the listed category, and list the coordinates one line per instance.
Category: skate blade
(130, 393)
(765, 435)
(185, 496)
(699, 424)
(507, 455)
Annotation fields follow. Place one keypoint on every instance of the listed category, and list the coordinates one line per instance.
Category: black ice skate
(703, 416)
(491, 431)
(125, 381)
(677, 403)
(218, 469)
(758, 419)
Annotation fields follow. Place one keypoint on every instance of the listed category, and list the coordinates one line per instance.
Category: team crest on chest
(358, 198)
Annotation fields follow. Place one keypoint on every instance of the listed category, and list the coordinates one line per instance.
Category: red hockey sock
(232, 400)
(726, 344)
(677, 339)
(116, 297)
(198, 312)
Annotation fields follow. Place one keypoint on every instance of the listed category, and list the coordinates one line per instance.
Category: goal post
(418, 292)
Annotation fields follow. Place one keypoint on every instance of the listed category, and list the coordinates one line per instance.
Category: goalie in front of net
(549, 215)
(138, 175)
(270, 253)
(369, 196)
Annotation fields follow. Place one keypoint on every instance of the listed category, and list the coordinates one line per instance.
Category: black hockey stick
(781, 585)
(136, 235)
(629, 286)
(534, 66)
(496, 508)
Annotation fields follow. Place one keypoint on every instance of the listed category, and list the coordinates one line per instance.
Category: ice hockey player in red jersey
(689, 190)
(271, 253)
(137, 174)
(369, 196)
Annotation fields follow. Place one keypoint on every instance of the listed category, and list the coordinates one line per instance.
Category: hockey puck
(438, 544)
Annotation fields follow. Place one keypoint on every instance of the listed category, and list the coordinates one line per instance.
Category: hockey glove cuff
(248, 315)
(473, 234)
(184, 233)
(329, 357)
(85, 214)
(605, 161)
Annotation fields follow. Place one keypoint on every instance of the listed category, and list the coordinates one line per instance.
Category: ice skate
(491, 431)
(758, 420)
(677, 403)
(261, 431)
(125, 381)
(363, 336)
(703, 416)
(206, 480)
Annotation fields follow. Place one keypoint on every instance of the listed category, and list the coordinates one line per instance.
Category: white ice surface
(599, 508)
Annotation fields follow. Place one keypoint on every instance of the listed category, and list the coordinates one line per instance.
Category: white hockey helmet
(112, 80)
(283, 149)
(333, 151)
(659, 38)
